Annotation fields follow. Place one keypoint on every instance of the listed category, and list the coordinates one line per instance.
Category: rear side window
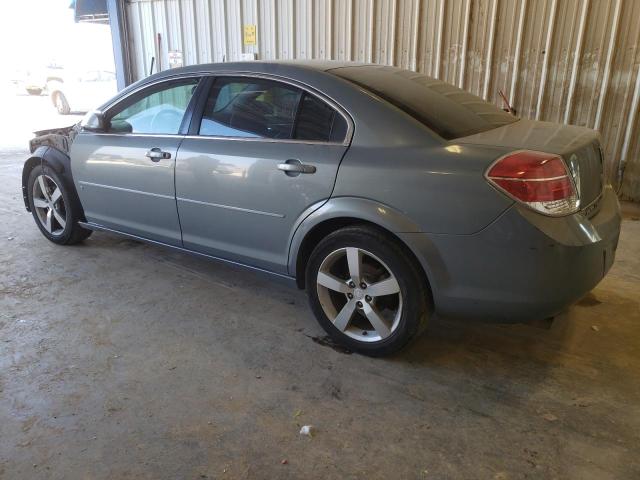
(317, 121)
(444, 108)
(261, 108)
(250, 107)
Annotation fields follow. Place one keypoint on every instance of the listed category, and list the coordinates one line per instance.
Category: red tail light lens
(539, 180)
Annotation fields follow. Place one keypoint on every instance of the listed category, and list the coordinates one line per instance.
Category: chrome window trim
(266, 140)
(230, 73)
(129, 135)
(135, 91)
(213, 137)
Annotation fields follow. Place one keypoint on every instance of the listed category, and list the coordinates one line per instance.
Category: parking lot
(120, 359)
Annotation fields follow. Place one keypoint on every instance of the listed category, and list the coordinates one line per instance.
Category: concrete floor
(124, 360)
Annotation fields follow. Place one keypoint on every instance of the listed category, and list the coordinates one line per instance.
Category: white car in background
(82, 92)
(34, 80)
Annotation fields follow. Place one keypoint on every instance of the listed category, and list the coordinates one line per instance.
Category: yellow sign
(249, 34)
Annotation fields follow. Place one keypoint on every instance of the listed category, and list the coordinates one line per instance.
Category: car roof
(258, 66)
(306, 71)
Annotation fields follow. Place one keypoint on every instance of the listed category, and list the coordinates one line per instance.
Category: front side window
(159, 111)
(260, 108)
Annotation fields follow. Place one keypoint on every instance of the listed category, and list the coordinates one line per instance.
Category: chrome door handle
(294, 167)
(155, 154)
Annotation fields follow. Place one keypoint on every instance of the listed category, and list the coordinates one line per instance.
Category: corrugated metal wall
(573, 61)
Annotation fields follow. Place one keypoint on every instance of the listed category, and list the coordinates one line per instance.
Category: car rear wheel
(53, 207)
(34, 91)
(60, 101)
(366, 291)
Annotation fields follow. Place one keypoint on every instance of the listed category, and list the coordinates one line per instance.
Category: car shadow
(460, 345)
(445, 339)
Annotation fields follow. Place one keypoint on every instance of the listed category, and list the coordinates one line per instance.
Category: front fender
(348, 208)
(52, 158)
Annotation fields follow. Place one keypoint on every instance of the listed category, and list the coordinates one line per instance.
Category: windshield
(445, 109)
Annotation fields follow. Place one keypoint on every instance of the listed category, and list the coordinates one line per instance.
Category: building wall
(572, 61)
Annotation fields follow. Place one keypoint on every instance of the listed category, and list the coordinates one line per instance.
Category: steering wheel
(169, 119)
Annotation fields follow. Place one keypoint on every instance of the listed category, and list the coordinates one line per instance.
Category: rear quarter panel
(401, 164)
(440, 188)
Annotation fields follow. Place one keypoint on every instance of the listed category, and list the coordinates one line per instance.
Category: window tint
(319, 122)
(250, 107)
(160, 111)
(447, 110)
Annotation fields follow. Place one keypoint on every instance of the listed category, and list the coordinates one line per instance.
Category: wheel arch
(58, 161)
(343, 212)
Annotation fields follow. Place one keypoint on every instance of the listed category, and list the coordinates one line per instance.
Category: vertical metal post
(392, 34)
(465, 43)
(516, 55)
(121, 57)
(607, 67)
(370, 37)
(629, 133)
(440, 39)
(416, 36)
(576, 61)
(545, 63)
(488, 64)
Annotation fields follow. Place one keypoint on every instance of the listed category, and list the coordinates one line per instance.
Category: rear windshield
(445, 109)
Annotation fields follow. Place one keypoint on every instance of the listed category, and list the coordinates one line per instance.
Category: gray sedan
(387, 194)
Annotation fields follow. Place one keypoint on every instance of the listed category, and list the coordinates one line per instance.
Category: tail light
(539, 180)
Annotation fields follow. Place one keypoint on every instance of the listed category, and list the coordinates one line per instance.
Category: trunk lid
(578, 146)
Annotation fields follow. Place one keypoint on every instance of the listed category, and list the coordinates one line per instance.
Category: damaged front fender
(60, 138)
(50, 148)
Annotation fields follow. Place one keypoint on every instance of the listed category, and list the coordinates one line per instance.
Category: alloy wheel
(359, 294)
(49, 205)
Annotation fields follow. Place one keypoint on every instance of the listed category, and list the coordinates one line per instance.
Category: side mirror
(94, 122)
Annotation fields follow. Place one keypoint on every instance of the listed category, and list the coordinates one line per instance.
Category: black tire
(34, 91)
(71, 210)
(61, 103)
(415, 297)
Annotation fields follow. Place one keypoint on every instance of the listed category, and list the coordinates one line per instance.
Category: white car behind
(82, 92)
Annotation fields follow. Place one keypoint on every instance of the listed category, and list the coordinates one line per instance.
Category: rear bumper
(522, 266)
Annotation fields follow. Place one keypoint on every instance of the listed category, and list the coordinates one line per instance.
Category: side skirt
(286, 279)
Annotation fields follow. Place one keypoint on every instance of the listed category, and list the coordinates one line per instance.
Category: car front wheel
(54, 208)
(366, 291)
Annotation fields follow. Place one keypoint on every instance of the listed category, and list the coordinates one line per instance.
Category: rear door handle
(295, 167)
(155, 154)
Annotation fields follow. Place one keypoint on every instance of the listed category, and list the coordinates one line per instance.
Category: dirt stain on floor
(327, 341)
(589, 300)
